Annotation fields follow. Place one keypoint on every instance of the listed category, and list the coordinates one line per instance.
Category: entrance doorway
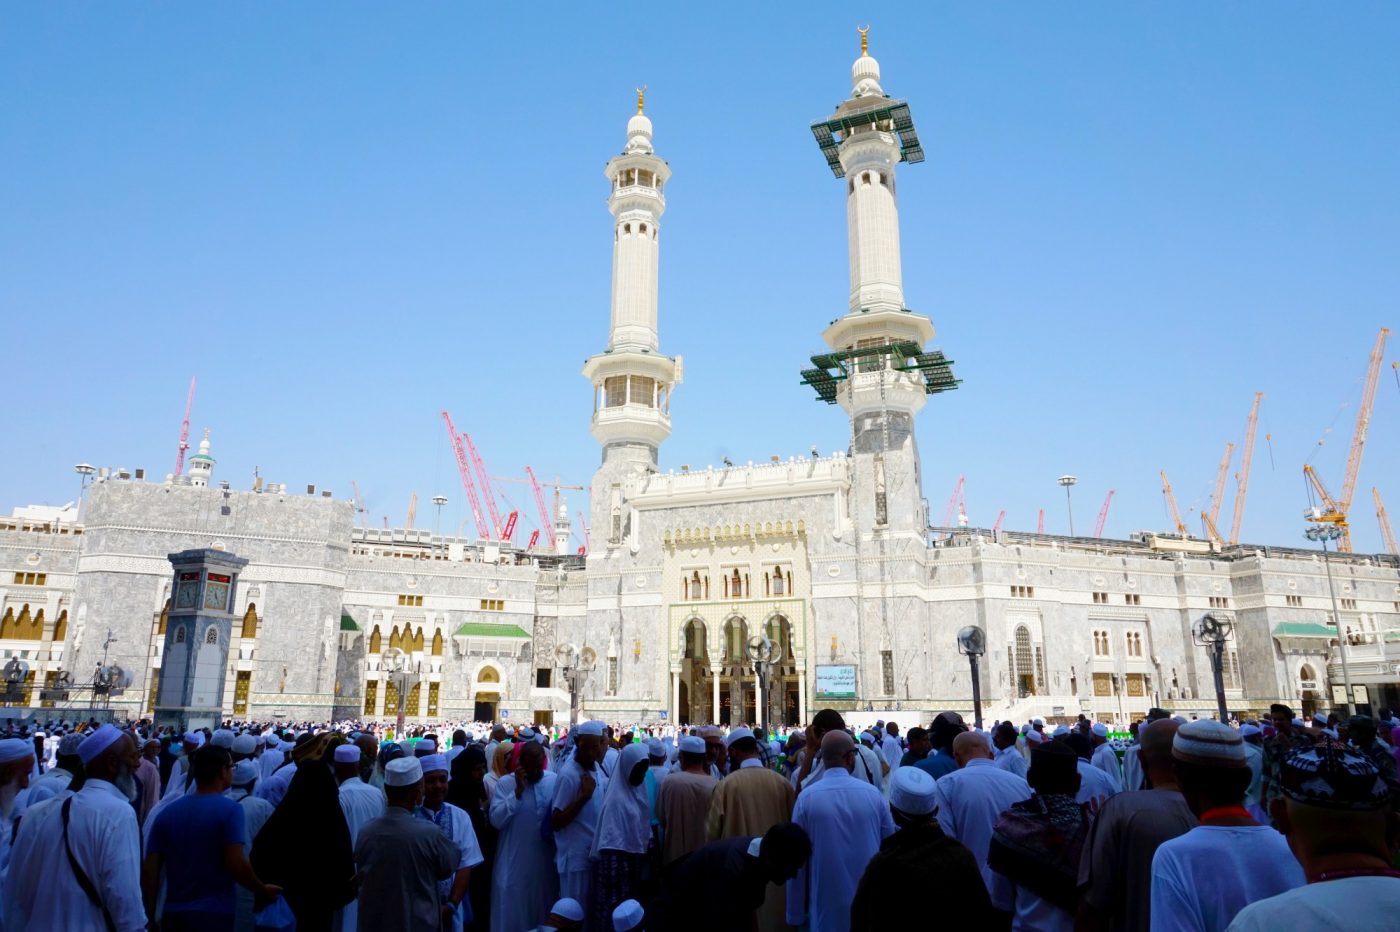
(488, 694)
(485, 707)
(544, 717)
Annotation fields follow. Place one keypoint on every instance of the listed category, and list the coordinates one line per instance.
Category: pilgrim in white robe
(1012, 760)
(573, 842)
(522, 852)
(846, 818)
(971, 799)
(275, 787)
(361, 804)
(1107, 760)
(456, 827)
(1095, 786)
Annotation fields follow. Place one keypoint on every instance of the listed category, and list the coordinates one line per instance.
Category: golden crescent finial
(864, 39)
(641, 97)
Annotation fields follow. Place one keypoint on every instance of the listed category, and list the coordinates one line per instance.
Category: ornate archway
(486, 694)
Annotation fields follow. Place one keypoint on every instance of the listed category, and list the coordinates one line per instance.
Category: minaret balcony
(631, 423)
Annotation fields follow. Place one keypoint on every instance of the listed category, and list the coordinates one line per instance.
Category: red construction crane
(1103, 514)
(486, 491)
(1384, 519)
(1040, 522)
(952, 504)
(184, 432)
(1242, 477)
(584, 527)
(534, 539)
(546, 522)
(510, 525)
(1336, 509)
(483, 531)
(1001, 516)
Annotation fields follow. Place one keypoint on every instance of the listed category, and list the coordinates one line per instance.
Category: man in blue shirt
(199, 841)
(946, 726)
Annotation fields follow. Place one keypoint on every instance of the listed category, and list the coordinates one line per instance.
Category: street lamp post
(972, 641)
(1322, 533)
(1213, 632)
(407, 672)
(1068, 482)
(576, 666)
(439, 501)
(762, 653)
(85, 472)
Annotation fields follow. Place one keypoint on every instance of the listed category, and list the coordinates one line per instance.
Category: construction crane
(412, 511)
(1001, 516)
(184, 432)
(1040, 522)
(1103, 514)
(359, 502)
(1335, 509)
(483, 531)
(583, 526)
(1384, 520)
(952, 505)
(1217, 497)
(1171, 503)
(534, 539)
(486, 491)
(1242, 477)
(546, 522)
(510, 525)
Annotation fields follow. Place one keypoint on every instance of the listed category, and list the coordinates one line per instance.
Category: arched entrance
(487, 695)
(784, 705)
(693, 694)
(1308, 691)
(737, 693)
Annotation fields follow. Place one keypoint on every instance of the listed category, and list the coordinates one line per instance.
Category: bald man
(1116, 870)
(971, 798)
(846, 819)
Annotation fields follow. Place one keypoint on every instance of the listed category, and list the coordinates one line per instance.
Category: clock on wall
(216, 592)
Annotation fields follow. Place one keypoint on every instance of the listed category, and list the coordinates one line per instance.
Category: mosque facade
(826, 567)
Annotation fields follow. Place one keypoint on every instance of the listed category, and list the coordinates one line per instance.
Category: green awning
(347, 623)
(1304, 629)
(484, 629)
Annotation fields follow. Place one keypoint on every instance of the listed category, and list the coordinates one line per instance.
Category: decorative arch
(1024, 661)
(376, 641)
(22, 624)
(395, 640)
(7, 624)
(36, 627)
(211, 635)
(418, 639)
(60, 628)
(437, 643)
(736, 636)
(694, 641)
(250, 621)
(164, 620)
(779, 631)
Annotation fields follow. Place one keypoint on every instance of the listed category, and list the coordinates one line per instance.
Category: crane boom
(184, 432)
(1363, 421)
(546, 524)
(486, 491)
(510, 525)
(359, 501)
(952, 504)
(1217, 497)
(534, 539)
(1171, 503)
(1242, 477)
(1040, 522)
(584, 528)
(482, 530)
(412, 511)
(1103, 514)
(1001, 516)
(1384, 520)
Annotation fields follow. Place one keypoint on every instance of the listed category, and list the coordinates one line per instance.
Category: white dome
(865, 77)
(639, 125)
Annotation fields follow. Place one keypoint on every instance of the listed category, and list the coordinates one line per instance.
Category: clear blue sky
(345, 217)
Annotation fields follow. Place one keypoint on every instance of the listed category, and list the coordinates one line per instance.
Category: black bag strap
(79, 874)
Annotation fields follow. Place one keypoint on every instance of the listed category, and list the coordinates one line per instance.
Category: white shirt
(867, 769)
(1029, 913)
(1012, 760)
(522, 852)
(1200, 880)
(893, 752)
(268, 762)
(1095, 786)
(846, 819)
(971, 799)
(1348, 903)
(573, 842)
(1132, 770)
(1106, 760)
(41, 891)
(361, 804)
(275, 787)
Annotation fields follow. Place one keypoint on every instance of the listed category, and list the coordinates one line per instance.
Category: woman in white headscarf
(623, 836)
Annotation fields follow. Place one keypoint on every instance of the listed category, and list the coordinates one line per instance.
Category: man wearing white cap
(456, 827)
(361, 803)
(55, 782)
(520, 805)
(272, 756)
(973, 797)
(16, 761)
(179, 780)
(575, 810)
(566, 914)
(98, 826)
(628, 916)
(399, 859)
(1104, 757)
(846, 819)
(918, 857)
(1201, 879)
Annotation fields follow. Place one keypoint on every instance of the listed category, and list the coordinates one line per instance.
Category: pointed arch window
(60, 628)
(250, 621)
(437, 643)
(7, 624)
(164, 618)
(36, 627)
(736, 585)
(376, 640)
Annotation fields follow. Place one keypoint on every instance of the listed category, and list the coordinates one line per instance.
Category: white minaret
(632, 381)
(561, 528)
(201, 464)
(878, 371)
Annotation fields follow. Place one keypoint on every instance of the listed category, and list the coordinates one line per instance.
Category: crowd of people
(1185, 825)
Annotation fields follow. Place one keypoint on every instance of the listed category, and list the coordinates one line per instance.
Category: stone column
(802, 698)
(675, 713)
(714, 707)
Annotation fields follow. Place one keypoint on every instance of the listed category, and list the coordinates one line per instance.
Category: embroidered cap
(1209, 743)
(1331, 775)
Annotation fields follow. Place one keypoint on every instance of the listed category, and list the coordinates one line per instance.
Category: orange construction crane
(1242, 477)
(1217, 497)
(1171, 503)
(1384, 519)
(412, 511)
(1334, 510)
(1103, 514)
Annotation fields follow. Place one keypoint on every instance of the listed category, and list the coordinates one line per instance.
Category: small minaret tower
(878, 369)
(201, 464)
(632, 381)
(562, 528)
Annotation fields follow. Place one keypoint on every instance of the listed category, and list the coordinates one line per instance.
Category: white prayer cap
(271, 740)
(425, 747)
(1038, 721)
(193, 739)
(692, 744)
(433, 762)
(1249, 731)
(245, 772)
(911, 791)
(223, 738)
(738, 734)
(1060, 731)
(628, 915)
(1032, 736)
(405, 771)
(347, 754)
(526, 734)
(244, 744)
(867, 737)
(1100, 729)
(68, 744)
(99, 741)
(591, 727)
(567, 908)
(13, 749)
(655, 748)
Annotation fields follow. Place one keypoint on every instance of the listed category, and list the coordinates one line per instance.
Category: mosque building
(824, 567)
